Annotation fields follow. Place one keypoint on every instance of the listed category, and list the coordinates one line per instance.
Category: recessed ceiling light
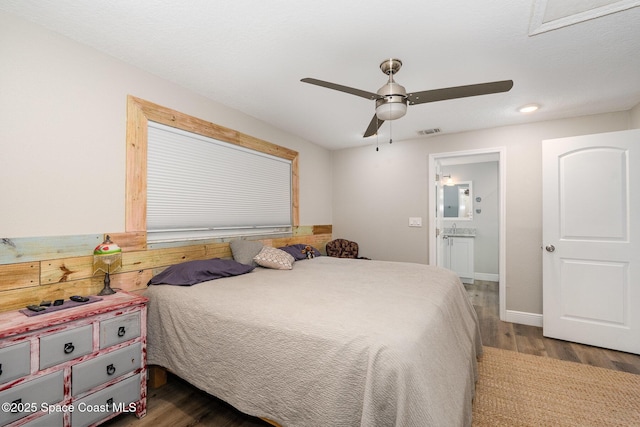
(530, 108)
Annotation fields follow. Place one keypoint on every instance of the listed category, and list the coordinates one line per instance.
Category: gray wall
(635, 117)
(374, 194)
(63, 110)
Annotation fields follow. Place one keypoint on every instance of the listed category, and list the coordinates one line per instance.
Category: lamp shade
(107, 257)
(391, 110)
(392, 103)
(107, 248)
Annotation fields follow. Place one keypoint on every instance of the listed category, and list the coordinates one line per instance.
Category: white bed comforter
(333, 342)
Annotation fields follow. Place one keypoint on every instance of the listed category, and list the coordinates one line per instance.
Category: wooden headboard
(47, 268)
(36, 269)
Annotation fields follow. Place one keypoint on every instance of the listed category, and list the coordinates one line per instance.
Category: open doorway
(441, 168)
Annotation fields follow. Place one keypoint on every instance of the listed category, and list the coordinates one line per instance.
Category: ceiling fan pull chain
(377, 132)
(390, 132)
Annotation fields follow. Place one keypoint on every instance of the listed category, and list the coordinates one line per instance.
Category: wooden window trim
(139, 112)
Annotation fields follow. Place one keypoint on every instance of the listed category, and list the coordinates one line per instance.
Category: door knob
(550, 248)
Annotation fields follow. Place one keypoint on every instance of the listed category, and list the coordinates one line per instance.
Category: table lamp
(107, 257)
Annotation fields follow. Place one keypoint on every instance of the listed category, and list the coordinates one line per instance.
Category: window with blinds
(199, 187)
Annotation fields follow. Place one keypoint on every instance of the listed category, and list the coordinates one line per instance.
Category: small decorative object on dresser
(107, 257)
(74, 367)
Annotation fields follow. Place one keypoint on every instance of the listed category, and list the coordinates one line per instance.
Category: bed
(331, 342)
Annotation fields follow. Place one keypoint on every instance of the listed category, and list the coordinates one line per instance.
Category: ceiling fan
(392, 98)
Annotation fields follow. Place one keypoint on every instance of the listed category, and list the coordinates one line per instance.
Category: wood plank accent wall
(44, 268)
(52, 275)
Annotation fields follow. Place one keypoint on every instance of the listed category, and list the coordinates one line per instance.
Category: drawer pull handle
(111, 369)
(110, 402)
(68, 348)
(0, 368)
(14, 406)
(121, 331)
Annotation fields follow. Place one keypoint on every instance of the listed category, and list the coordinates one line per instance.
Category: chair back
(342, 248)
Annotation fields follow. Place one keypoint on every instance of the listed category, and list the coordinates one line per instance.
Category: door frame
(502, 229)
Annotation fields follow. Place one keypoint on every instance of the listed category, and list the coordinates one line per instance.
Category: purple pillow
(296, 251)
(192, 272)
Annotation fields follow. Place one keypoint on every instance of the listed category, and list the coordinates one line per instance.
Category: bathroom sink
(459, 232)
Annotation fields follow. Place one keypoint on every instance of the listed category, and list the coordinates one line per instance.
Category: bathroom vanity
(458, 252)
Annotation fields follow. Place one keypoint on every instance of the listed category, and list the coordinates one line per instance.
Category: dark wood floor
(181, 405)
(529, 339)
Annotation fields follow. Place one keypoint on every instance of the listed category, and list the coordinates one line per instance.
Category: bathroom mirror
(458, 201)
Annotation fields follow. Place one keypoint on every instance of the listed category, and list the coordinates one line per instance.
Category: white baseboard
(524, 318)
(489, 277)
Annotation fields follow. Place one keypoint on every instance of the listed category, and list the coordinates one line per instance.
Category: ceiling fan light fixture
(391, 99)
(391, 107)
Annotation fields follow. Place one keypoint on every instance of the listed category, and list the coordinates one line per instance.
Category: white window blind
(199, 187)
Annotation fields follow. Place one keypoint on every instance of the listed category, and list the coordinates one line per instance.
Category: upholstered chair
(342, 248)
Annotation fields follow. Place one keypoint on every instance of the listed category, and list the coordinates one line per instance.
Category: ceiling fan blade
(374, 125)
(459, 92)
(346, 89)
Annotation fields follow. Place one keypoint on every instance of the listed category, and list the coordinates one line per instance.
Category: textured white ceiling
(251, 55)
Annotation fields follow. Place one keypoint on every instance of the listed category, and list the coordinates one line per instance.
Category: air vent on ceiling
(428, 131)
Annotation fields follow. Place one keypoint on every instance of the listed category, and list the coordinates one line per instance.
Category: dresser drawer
(86, 375)
(112, 399)
(119, 329)
(15, 361)
(67, 345)
(49, 420)
(31, 395)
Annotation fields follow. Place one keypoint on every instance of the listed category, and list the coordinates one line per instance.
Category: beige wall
(62, 133)
(375, 193)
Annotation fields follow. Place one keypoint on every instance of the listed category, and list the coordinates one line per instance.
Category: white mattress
(333, 342)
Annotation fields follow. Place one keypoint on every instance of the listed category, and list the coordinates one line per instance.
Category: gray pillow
(296, 251)
(244, 250)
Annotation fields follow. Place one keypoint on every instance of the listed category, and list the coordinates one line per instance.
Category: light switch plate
(415, 221)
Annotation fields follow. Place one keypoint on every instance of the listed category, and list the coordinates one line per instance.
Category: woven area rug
(516, 389)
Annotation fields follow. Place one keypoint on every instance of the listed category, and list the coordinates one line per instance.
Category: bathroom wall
(484, 178)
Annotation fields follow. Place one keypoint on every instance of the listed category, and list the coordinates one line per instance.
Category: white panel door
(591, 239)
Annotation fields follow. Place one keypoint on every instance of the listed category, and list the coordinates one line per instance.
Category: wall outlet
(415, 221)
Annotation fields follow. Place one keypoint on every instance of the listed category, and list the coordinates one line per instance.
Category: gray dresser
(74, 367)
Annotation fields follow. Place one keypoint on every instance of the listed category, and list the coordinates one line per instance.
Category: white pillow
(274, 258)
